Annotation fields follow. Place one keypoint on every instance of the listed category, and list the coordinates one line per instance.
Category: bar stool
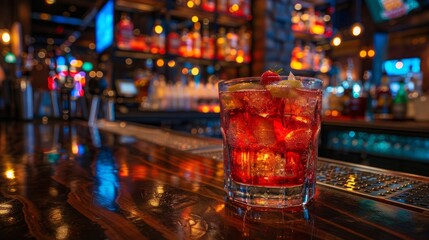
(79, 107)
(107, 110)
(39, 95)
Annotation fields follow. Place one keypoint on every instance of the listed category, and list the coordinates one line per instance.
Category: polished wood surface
(67, 181)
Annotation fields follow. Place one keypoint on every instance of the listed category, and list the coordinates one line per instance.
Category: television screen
(104, 27)
(384, 10)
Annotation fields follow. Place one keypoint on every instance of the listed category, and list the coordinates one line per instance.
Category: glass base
(270, 197)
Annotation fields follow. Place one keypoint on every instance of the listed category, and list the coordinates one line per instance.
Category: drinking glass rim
(254, 79)
(308, 82)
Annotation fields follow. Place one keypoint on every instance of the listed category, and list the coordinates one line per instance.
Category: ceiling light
(5, 37)
(336, 41)
(357, 29)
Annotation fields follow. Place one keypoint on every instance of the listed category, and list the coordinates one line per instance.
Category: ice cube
(261, 103)
(263, 131)
(291, 165)
(305, 104)
(298, 139)
(279, 130)
(230, 101)
(292, 122)
(268, 164)
(239, 132)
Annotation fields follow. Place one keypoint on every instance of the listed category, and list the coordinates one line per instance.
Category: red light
(51, 83)
(59, 29)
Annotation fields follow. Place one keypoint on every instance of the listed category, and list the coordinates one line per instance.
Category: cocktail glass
(270, 135)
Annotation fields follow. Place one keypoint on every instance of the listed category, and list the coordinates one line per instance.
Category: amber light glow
(234, 8)
(190, 4)
(171, 63)
(216, 109)
(336, 41)
(159, 29)
(357, 29)
(160, 62)
(5, 37)
(10, 174)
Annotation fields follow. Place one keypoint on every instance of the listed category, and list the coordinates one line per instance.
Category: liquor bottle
(245, 6)
(185, 44)
(347, 84)
(369, 89)
(358, 100)
(246, 41)
(307, 57)
(158, 38)
(208, 5)
(234, 7)
(124, 33)
(399, 105)
(222, 5)
(231, 45)
(311, 20)
(414, 92)
(196, 41)
(318, 27)
(173, 41)
(333, 102)
(207, 47)
(317, 59)
(297, 57)
(243, 45)
(221, 44)
(182, 47)
(383, 97)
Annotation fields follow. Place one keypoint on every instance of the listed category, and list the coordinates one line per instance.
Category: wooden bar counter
(65, 180)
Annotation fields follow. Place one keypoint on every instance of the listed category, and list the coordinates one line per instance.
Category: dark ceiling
(63, 21)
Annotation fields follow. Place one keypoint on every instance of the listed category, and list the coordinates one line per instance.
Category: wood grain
(58, 182)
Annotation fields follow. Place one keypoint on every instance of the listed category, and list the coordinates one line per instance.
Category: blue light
(405, 65)
(107, 183)
(61, 60)
(356, 88)
(394, 87)
(210, 70)
(149, 63)
(104, 27)
(352, 134)
(356, 91)
(66, 20)
(187, 65)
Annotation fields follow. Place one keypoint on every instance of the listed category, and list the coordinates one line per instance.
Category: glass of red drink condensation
(270, 135)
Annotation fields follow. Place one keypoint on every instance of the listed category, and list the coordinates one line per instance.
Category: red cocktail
(270, 136)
